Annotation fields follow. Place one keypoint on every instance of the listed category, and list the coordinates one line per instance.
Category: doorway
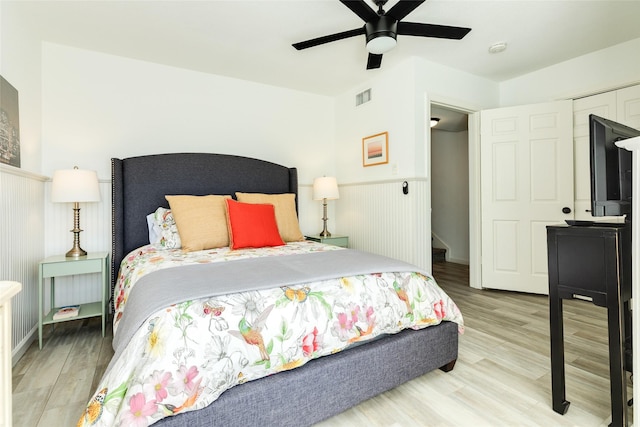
(450, 185)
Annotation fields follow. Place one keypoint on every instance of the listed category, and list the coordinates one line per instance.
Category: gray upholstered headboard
(139, 184)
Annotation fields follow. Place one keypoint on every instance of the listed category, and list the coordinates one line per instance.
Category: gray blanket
(162, 288)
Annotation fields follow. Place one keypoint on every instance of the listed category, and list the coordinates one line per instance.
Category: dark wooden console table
(592, 263)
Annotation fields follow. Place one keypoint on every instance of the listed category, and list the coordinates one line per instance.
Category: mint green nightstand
(342, 241)
(58, 266)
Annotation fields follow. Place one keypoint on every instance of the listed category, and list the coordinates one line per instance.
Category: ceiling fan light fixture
(434, 121)
(381, 44)
(381, 35)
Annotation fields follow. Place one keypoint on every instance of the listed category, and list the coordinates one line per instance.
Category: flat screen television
(610, 167)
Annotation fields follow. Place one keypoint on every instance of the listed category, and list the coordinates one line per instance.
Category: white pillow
(163, 230)
(154, 229)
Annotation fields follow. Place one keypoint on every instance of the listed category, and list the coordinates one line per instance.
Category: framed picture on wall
(9, 125)
(375, 149)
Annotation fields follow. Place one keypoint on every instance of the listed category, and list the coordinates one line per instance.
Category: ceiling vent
(363, 97)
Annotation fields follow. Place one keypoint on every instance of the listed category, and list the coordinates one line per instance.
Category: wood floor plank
(64, 415)
(44, 369)
(29, 405)
(502, 377)
(72, 387)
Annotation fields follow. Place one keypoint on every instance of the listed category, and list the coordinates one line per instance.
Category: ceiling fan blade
(374, 61)
(327, 39)
(432, 30)
(403, 8)
(360, 8)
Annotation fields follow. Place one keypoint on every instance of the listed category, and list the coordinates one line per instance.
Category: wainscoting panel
(21, 247)
(379, 218)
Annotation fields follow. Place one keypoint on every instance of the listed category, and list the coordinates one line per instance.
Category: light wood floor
(502, 377)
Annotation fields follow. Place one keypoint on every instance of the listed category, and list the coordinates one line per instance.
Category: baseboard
(23, 345)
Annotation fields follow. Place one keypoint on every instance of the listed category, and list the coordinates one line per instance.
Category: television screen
(610, 167)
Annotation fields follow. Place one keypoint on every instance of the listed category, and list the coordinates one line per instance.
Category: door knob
(566, 210)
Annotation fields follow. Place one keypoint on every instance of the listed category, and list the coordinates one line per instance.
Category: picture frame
(375, 149)
(9, 124)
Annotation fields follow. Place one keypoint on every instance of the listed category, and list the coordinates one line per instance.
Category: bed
(257, 374)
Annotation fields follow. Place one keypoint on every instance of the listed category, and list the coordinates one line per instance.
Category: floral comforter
(185, 355)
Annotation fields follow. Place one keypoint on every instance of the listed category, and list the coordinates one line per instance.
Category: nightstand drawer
(72, 267)
(342, 241)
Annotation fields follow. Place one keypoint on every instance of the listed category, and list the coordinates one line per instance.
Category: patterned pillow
(201, 221)
(163, 230)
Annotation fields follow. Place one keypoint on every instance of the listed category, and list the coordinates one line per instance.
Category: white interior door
(628, 107)
(526, 182)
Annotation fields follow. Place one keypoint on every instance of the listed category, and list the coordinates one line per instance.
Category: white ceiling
(252, 40)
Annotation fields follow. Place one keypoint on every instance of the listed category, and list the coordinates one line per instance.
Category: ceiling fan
(381, 28)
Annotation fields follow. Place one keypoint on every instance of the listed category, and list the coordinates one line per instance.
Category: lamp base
(324, 233)
(76, 252)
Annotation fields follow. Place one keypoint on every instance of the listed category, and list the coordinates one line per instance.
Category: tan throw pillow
(201, 221)
(286, 217)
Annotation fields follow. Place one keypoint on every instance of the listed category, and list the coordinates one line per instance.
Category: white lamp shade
(325, 187)
(75, 185)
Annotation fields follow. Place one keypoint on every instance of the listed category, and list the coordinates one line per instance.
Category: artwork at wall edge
(375, 149)
(9, 124)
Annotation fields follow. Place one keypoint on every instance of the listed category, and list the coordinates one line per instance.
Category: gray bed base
(329, 385)
(318, 390)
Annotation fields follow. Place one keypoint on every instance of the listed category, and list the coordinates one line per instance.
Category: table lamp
(325, 188)
(75, 186)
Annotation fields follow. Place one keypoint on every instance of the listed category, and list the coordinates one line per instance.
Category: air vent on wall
(362, 97)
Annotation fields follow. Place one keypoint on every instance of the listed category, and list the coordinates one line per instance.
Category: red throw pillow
(252, 225)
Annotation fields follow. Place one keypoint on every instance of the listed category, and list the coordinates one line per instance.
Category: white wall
(400, 105)
(97, 106)
(391, 110)
(589, 74)
(20, 65)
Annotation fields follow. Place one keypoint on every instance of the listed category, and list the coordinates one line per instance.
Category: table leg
(616, 364)
(40, 305)
(53, 299)
(558, 397)
(105, 286)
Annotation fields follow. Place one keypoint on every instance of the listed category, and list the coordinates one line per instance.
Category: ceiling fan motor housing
(384, 26)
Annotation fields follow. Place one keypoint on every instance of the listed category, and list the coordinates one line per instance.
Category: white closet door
(526, 181)
(629, 106)
(603, 105)
(623, 106)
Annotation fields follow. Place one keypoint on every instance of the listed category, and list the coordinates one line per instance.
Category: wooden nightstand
(59, 265)
(342, 241)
